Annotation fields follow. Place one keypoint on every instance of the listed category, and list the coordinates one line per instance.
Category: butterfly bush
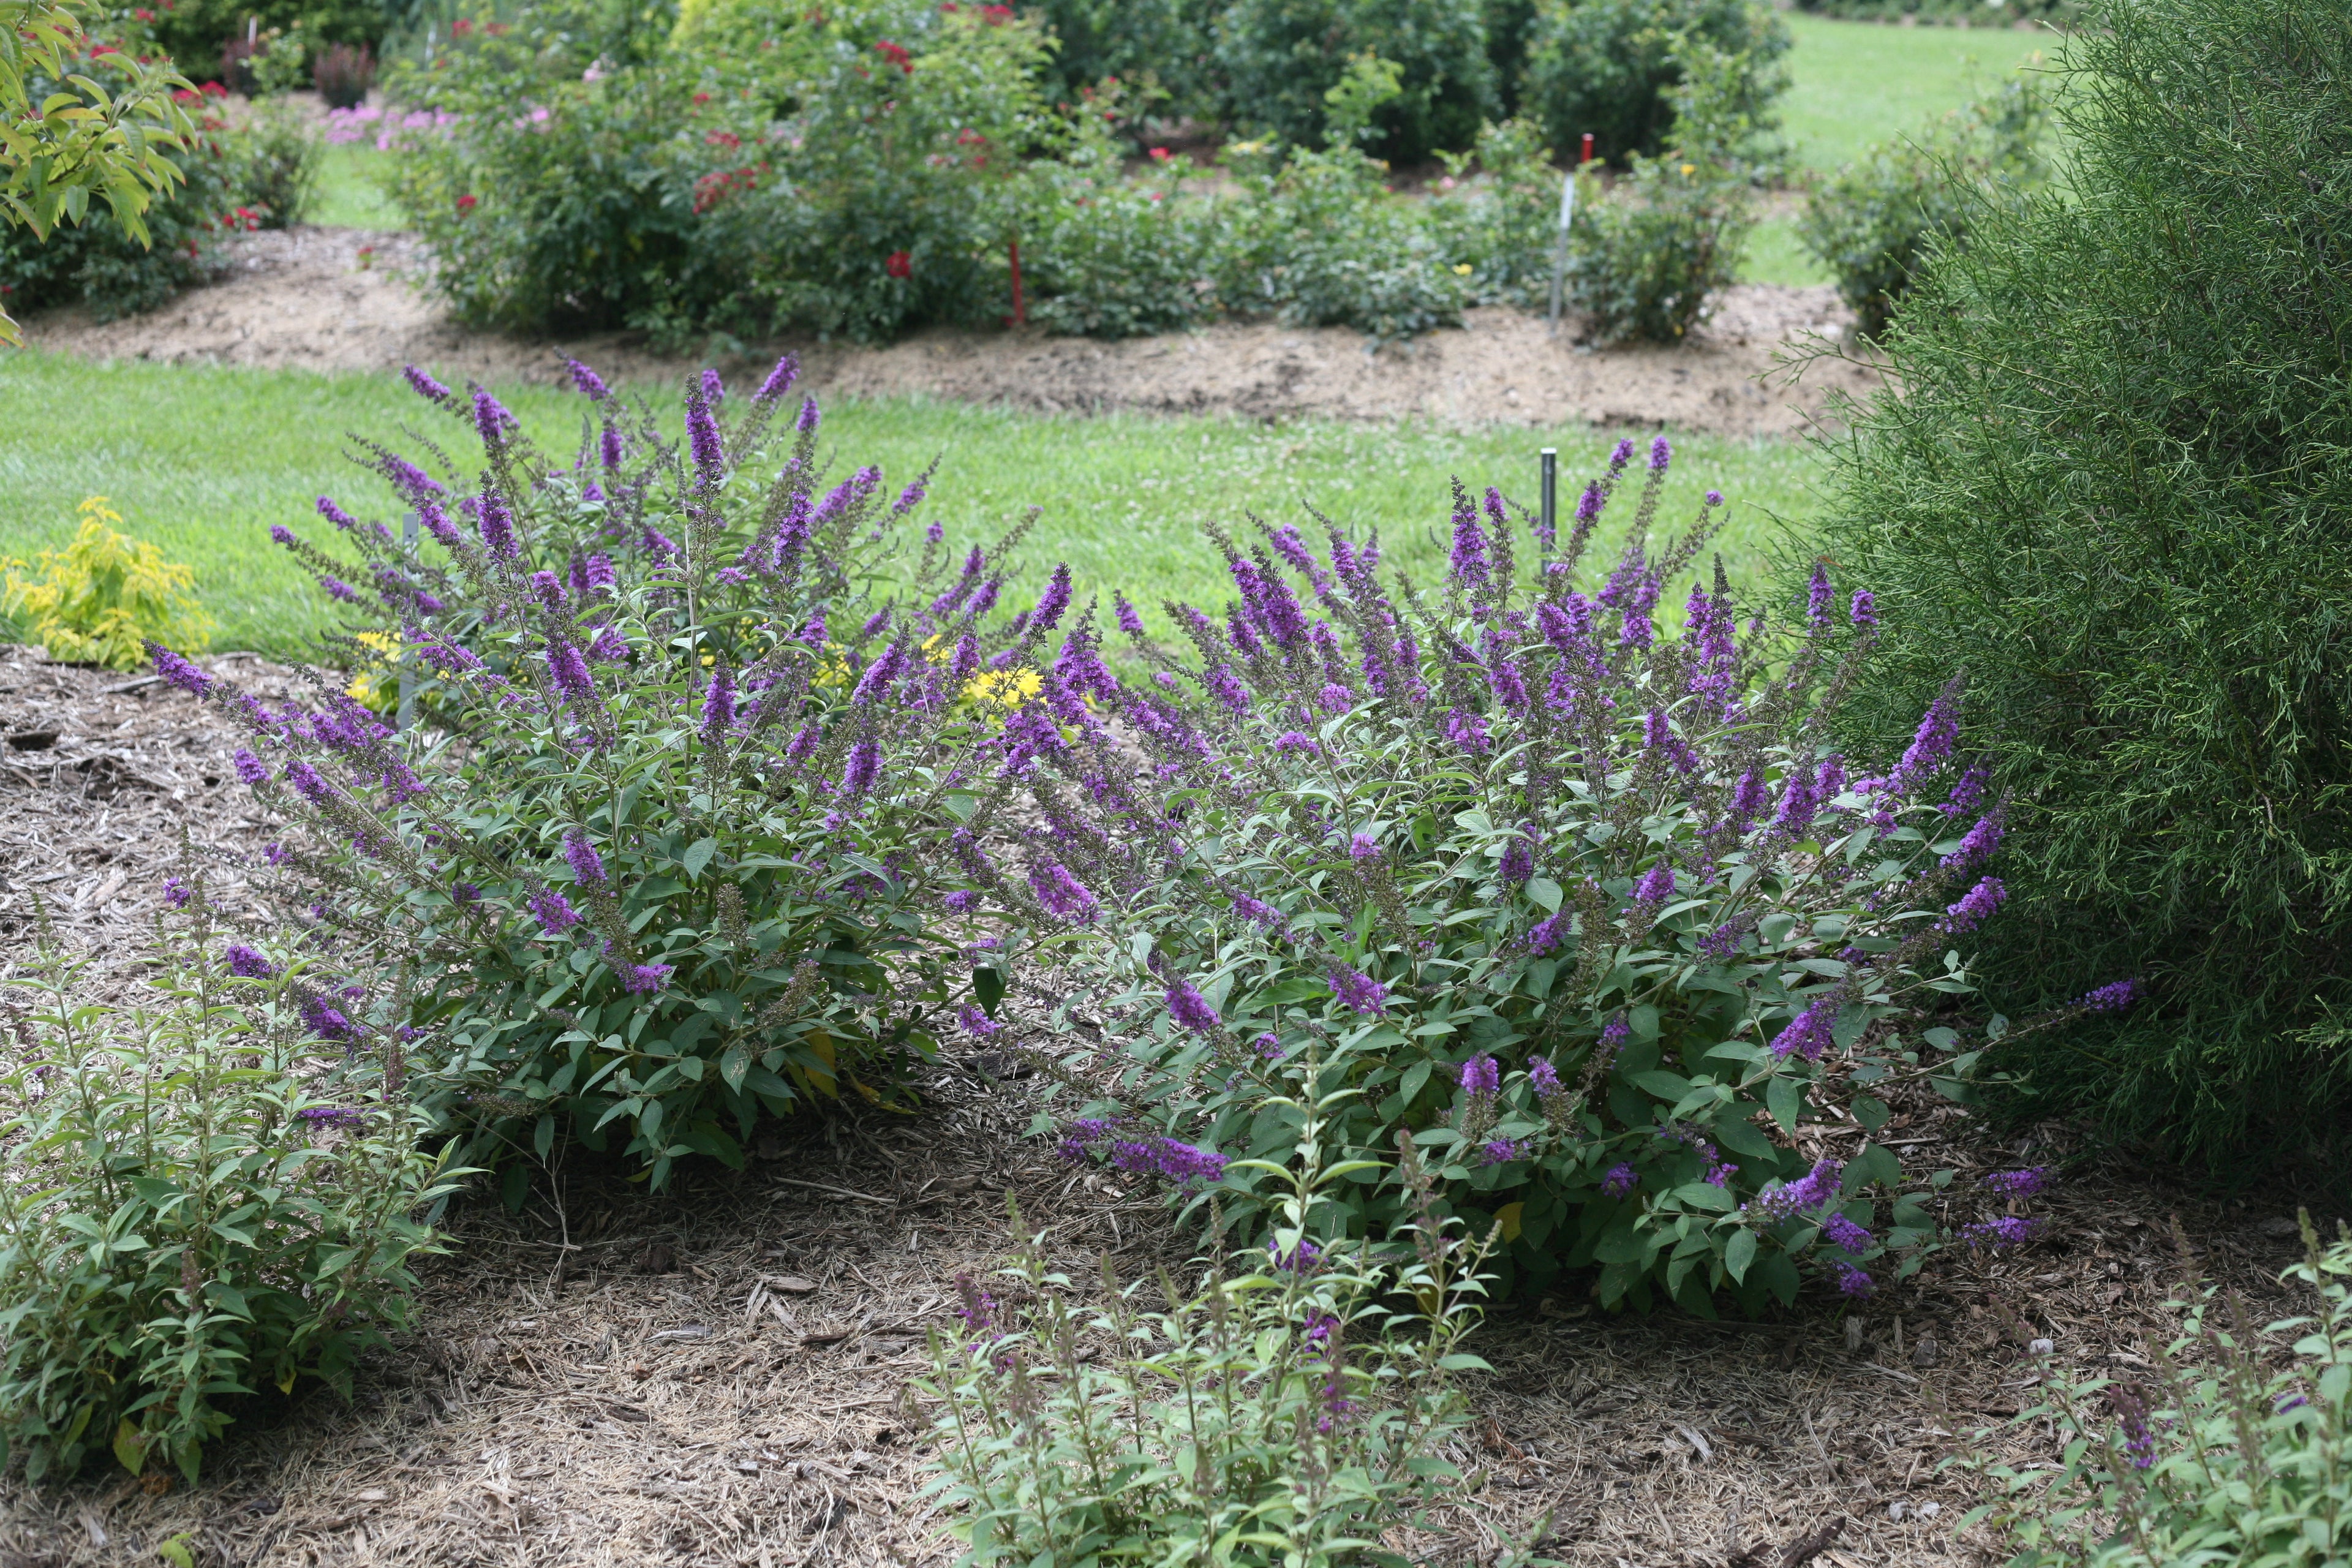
(207, 1193)
(1293, 1404)
(1582, 900)
(655, 857)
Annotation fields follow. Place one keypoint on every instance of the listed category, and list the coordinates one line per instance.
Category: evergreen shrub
(2114, 490)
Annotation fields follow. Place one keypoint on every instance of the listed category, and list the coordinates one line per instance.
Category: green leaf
(1740, 1253)
(988, 984)
(1872, 1113)
(131, 1447)
(697, 856)
(1784, 1097)
(1544, 891)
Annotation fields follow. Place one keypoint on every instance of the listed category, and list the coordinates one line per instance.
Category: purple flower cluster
(1503, 1151)
(2022, 1183)
(1357, 991)
(247, 963)
(328, 1022)
(1620, 1179)
(2008, 1230)
(1809, 1192)
(1166, 1158)
(1188, 1009)
(2113, 997)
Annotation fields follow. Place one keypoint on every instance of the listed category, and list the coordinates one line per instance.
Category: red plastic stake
(1586, 158)
(1020, 306)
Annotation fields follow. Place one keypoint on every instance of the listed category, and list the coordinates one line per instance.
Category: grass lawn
(348, 197)
(1855, 83)
(201, 461)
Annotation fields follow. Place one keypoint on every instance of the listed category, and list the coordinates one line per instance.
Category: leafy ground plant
(695, 723)
(2235, 1450)
(104, 596)
(202, 1199)
(1288, 1410)
(1589, 909)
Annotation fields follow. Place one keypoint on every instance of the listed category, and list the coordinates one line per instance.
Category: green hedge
(2116, 494)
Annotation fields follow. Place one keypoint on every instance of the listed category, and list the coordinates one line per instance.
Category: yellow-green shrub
(104, 595)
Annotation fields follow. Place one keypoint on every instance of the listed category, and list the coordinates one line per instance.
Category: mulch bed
(719, 1374)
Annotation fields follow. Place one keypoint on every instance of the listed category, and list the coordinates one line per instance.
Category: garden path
(331, 298)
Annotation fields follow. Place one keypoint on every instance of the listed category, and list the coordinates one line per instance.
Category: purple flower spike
(645, 979)
(714, 390)
(702, 441)
(498, 526)
(1656, 885)
(1851, 1281)
(328, 1022)
(1975, 907)
(807, 422)
(1358, 992)
(1166, 1158)
(178, 671)
(588, 381)
(718, 705)
(779, 380)
(1503, 1151)
(1819, 598)
(1662, 452)
(1543, 1079)
(1188, 1009)
(587, 866)
(247, 963)
(1840, 1231)
(336, 515)
(1621, 1180)
(2008, 1230)
(1053, 600)
(2112, 997)
(2022, 1183)
(1479, 1076)
(553, 911)
(250, 768)
(177, 893)
(491, 419)
(425, 386)
(976, 1023)
(1865, 608)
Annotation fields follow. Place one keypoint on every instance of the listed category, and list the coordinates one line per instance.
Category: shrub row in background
(870, 173)
(2114, 490)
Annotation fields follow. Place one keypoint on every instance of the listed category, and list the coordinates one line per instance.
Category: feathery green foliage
(2116, 491)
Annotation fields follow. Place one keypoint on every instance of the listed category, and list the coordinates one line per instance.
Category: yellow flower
(373, 685)
(1005, 689)
(1689, 169)
(1461, 270)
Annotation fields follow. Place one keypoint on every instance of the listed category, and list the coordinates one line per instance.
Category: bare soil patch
(721, 1374)
(325, 298)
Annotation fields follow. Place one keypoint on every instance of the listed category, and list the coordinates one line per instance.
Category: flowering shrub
(103, 596)
(1585, 906)
(852, 181)
(698, 721)
(1281, 1415)
(201, 1199)
(2234, 1451)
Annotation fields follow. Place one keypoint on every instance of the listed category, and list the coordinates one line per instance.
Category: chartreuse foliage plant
(2235, 1447)
(1590, 908)
(211, 1190)
(696, 725)
(1288, 1408)
(2113, 490)
(104, 596)
(1875, 225)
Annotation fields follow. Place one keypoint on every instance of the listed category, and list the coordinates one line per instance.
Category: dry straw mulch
(719, 1374)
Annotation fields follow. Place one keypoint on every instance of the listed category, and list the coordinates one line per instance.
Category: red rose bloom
(899, 264)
